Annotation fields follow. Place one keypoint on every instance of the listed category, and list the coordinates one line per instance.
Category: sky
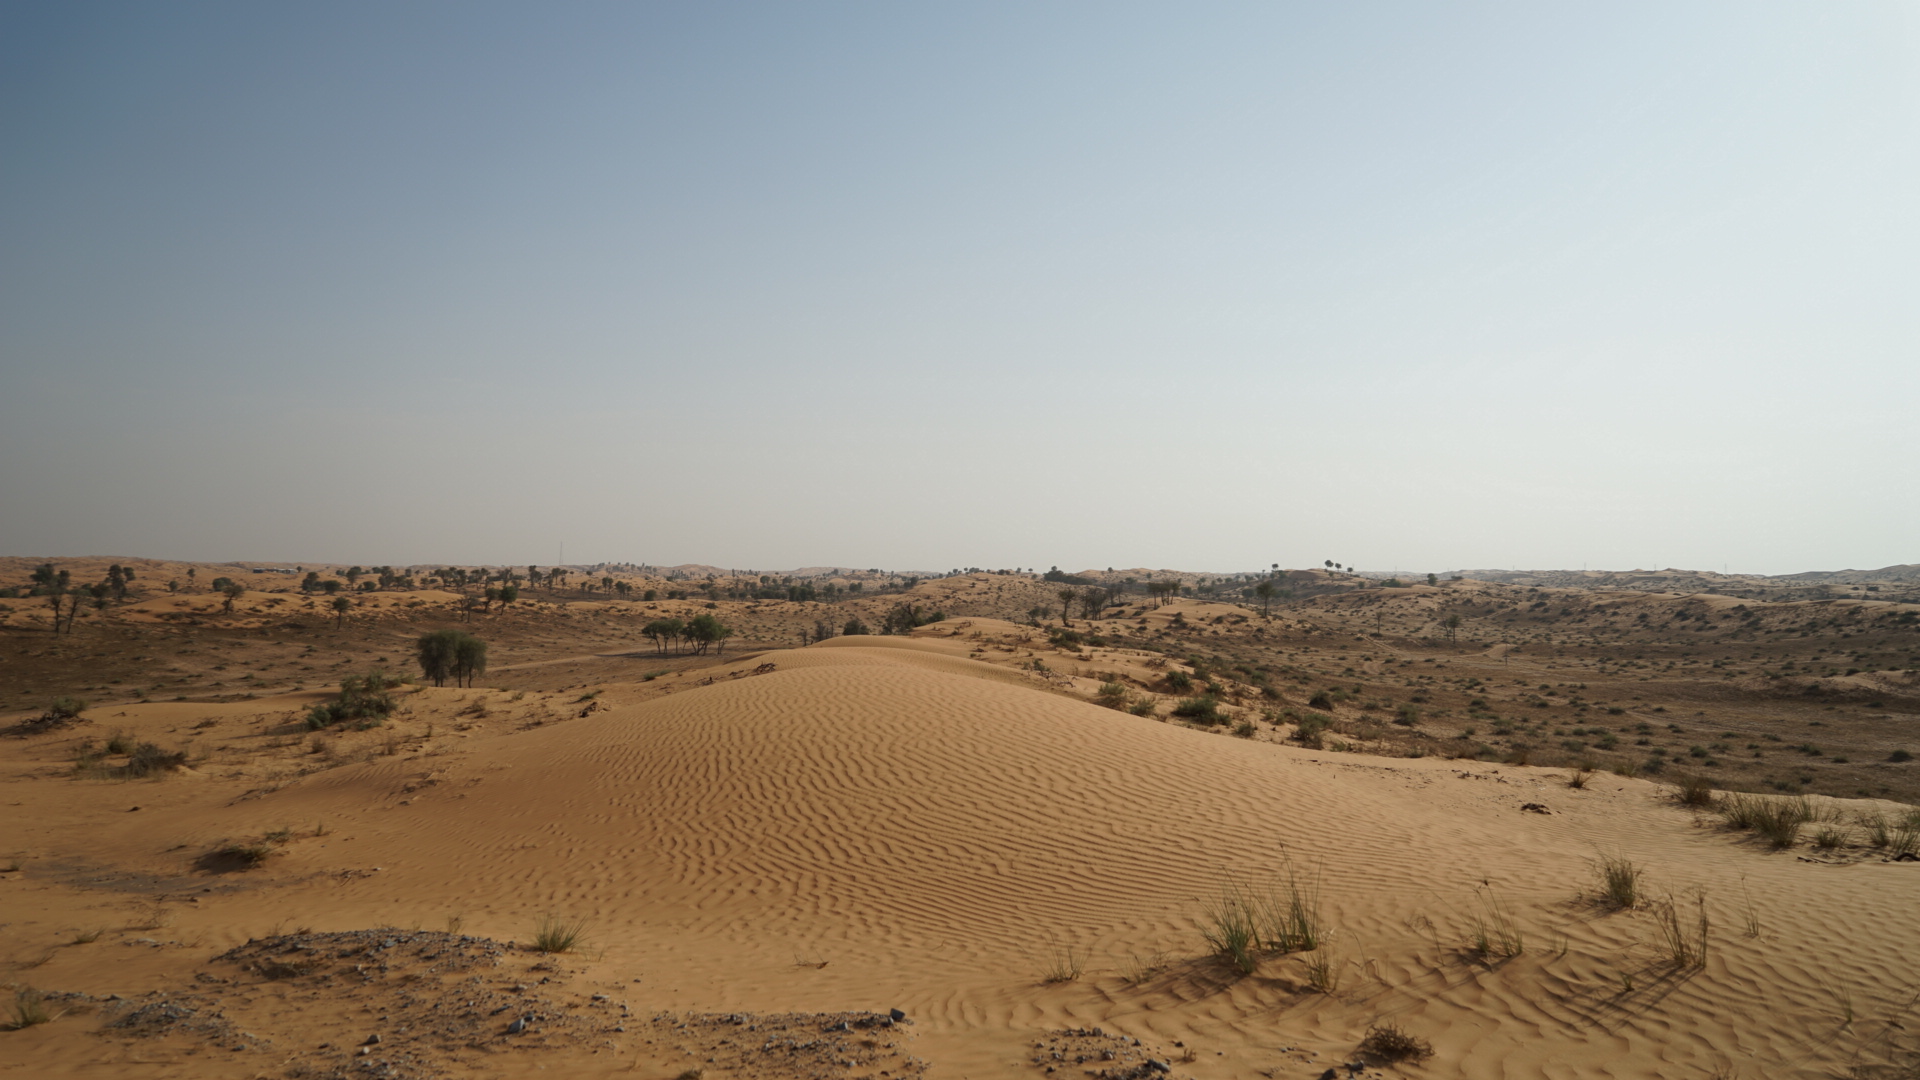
(919, 286)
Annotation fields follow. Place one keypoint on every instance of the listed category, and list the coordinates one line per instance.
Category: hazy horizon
(997, 285)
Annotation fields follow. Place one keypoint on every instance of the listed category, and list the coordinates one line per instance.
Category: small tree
(310, 582)
(1264, 591)
(469, 658)
(341, 605)
(1067, 596)
(437, 651)
(232, 592)
(705, 630)
(53, 585)
(1433, 579)
(1452, 625)
(855, 626)
(663, 632)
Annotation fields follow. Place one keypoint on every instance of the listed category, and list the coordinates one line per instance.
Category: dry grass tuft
(1619, 881)
(1063, 963)
(1390, 1043)
(1323, 972)
(1495, 932)
(557, 935)
(30, 1009)
(1684, 947)
(1694, 791)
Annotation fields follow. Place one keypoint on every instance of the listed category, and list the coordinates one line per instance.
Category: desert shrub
(1244, 729)
(854, 627)
(1390, 1043)
(147, 759)
(248, 855)
(1310, 728)
(1321, 700)
(1180, 681)
(1899, 756)
(1407, 716)
(120, 742)
(64, 709)
(1204, 709)
(1143, 707)
(363, 700)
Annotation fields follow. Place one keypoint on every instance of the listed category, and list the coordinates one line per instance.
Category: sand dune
(940, 834)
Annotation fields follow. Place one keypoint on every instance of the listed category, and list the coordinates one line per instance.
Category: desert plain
(1120, 824)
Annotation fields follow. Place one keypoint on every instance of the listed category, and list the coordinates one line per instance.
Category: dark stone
(897, 1015)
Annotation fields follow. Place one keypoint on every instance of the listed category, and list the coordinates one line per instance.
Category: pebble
(897, 1015)
(518, 1026)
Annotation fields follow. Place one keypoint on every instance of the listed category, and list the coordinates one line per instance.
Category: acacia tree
(663, 632)
(469, 658)
(1067, 596)
(52, 584)
(341, 605)
(1452, 625)
(118, 578)
(232, 592)
(436, 650)
(1264, 591)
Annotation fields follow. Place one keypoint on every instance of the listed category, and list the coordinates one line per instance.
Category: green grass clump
(556, 935)
(1245, 921)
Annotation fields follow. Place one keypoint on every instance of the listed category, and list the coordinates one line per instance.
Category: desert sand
(767, 851)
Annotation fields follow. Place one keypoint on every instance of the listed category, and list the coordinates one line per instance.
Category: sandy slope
(939, 831)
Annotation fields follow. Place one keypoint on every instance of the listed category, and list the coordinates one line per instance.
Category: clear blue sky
(1415, 286)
